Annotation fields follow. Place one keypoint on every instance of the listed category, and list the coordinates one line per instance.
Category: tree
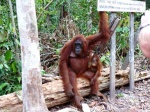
(147, 4)
(33, 99)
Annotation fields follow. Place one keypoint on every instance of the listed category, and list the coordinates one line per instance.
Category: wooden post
(131, 51)
(112, 60)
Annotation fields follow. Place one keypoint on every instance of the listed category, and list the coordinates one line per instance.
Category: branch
(44, 9)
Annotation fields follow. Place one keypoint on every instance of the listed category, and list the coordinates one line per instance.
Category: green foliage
(80, 14)
(57, 51)
(49, 19)
(120, 95)
(10, 67)
(122, 33)
(43, 72)
(148, 4)
(105, 59)
(78, 10)
(9, 72)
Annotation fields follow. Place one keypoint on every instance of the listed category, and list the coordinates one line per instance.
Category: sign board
(121, 6)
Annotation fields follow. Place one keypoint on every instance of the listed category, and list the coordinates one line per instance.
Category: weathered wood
(114, 23)
(131, 51)
(54, 93)
(112, 61)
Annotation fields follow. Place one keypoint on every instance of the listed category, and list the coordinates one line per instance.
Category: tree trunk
(33, 99)
(54, 93)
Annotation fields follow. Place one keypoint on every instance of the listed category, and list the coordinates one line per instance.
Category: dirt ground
(125, 100)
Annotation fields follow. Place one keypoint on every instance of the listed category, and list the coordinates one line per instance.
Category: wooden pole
(112, 61)
(131, 51)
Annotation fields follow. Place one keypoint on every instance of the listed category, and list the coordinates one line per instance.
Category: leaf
(5, 44)
(19, 79)
(43, 72)
(1, 8)
(13, 66)
(3, 85)
(8, 55)
(6, 66)
(107, 62)
(57, 51)
(2, 36)
(103, 58)
(119, 95)
(1, 66)
(17, 41)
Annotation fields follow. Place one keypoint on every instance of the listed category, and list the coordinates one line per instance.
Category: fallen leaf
(93, 103)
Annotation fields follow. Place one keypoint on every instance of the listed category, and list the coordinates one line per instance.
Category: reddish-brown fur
(72, 66)
(95, 66)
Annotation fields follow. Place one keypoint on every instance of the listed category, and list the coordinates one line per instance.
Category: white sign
(121, 6)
